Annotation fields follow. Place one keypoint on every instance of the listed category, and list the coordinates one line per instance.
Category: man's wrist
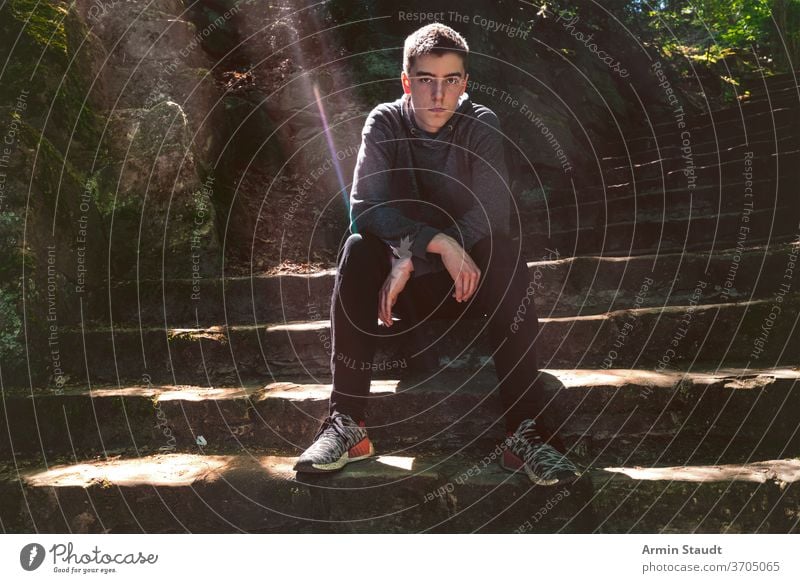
(403, 264)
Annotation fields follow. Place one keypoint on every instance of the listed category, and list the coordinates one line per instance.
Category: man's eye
(425, 80)
(453, 81)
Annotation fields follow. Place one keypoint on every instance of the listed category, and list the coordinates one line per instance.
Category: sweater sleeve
(371, 206)
(490, 188)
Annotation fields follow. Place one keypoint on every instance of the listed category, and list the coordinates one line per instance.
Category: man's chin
(436, 122)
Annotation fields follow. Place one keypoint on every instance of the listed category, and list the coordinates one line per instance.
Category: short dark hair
(433, 39)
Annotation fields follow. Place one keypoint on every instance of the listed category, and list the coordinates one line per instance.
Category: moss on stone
(44, 21)
(46, 76)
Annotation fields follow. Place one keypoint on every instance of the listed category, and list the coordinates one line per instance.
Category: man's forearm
(405, 264)
(441, 243)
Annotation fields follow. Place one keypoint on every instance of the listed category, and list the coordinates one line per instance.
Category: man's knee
(500, 252)
(363, 250)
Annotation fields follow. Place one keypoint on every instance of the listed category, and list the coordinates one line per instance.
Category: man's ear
(406, 82)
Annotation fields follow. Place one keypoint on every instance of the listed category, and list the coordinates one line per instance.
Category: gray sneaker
(543, 463)
(339, 441)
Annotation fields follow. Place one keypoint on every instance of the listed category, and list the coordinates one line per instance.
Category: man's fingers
(387, 308)
(387, 305)
(473, 284)
(470, 288)
(382, 307)
(470, 284)
(460, 287)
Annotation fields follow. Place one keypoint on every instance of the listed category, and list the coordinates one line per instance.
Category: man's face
(435, 83)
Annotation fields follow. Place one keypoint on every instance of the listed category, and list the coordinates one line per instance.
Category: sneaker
(339, 441)
(543, 463)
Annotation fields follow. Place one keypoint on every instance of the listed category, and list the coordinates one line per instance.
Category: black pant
(503, 293)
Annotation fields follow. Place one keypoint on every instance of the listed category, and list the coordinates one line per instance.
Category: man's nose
(438, 88)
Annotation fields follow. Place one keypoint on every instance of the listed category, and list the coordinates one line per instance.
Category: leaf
(404, 250)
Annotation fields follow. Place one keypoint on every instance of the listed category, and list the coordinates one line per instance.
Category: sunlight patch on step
(278, 465)
(295, 391)
(744, 379)
(782, 470)
(201, 394)
(612, 377)
(168, 470)
(215, 333)
(383, 386)
(301, 392)
(301, 326)
(174, 393)
(404, 463)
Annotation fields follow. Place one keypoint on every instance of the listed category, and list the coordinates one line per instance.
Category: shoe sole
(369, 451)
(520, 465)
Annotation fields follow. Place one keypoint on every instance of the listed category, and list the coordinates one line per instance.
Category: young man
(430, 200)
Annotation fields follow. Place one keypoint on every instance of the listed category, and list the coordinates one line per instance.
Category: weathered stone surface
(563, 286)
(159, 207)
(672, 235)
(730, 334)
(612, 417)
(235, 493)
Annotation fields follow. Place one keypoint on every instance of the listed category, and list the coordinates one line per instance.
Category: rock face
(162, 210)
(108, 172)
(156, 188)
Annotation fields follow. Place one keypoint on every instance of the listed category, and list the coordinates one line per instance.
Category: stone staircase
(668, 343)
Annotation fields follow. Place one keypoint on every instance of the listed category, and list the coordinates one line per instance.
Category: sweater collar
(446, 131)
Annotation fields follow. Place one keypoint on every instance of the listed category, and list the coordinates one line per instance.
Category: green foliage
(44, 21)
(733, 23)
(378, 73)
(712, 30)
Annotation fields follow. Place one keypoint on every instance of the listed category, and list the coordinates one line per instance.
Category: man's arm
(372, 207)
(490, 189)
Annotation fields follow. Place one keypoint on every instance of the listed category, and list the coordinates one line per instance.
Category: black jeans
(502, 291)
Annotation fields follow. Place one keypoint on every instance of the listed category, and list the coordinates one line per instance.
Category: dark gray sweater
(410, 185)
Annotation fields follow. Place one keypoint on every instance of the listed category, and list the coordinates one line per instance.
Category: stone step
(723, 167)
(718, 335)
(785, 96)
(661, 205)
(613, 416)
(256, 491)
(563, 286)
(208, 301)
(782, 121)
(762, 99)
(761, 85)
(762, 143)
(656, 206)
(671, 235)
(768, 190)
(786, 139)
(689, 175)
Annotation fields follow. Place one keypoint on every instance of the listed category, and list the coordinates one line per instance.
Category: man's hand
(458, 263)
(394, 284)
